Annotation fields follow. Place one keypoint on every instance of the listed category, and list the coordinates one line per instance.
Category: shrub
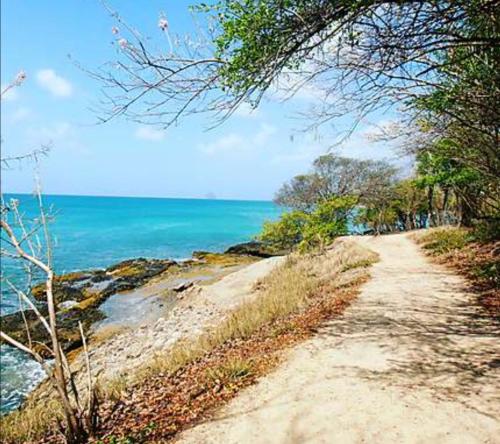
(310, 230)
(233, 368)
(487, 231)
(327, 222)
(285, 233)
(445, 239)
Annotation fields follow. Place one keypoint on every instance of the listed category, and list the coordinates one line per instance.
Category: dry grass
(443, 240)
(183, 387)
(30, 423)
(286, 290)
(231, 369)
(475, 256)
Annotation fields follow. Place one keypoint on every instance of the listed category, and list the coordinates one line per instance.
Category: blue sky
(248, 157)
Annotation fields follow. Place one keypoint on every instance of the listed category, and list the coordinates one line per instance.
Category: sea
(90, 232)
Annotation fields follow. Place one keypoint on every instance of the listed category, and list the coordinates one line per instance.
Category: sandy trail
(411, 361)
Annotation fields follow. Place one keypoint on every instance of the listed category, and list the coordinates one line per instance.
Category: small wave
(19, 376)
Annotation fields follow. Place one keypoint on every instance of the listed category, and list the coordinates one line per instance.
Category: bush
(285, 233)
(327, 222)
(446, 239)
(487, 231)
(309, 231)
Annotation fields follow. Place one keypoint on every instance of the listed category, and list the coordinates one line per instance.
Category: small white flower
(20, 78)
(123, 43)
(163, 24)
(115, 30)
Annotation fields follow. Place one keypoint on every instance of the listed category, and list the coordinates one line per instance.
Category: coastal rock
(78, 297)
(67, 305)
(254, 248)
(222, 259)
(182, 287)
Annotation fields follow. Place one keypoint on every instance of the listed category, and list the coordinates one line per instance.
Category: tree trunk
(430, 196)
(466, 214)
(446, 193)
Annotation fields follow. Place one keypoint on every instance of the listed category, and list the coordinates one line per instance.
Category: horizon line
(140, 197)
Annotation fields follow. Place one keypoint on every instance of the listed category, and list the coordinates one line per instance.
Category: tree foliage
(315, 229)
(335, 176)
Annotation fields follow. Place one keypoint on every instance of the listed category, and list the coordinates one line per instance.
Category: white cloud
(228, 143)
(57, 131)
(150, 134)
(20, 114)
(236, 143)
(59, 135)
(302, 155)
(55, 84)
(297, 86)
(383, 129)
(264, 134)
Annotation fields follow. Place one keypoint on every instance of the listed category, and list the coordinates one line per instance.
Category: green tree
(286, 233)
(308, 231)
(329, 221)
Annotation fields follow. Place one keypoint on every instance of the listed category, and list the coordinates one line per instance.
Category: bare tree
(336, 176)
(29, 243)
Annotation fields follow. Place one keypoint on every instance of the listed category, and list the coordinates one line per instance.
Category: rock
(140, 270)
(78, 297)
(65, 305)
(254, 248)
(182, 287)
(221, 259)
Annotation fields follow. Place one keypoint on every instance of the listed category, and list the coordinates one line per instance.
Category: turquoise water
(95, 232)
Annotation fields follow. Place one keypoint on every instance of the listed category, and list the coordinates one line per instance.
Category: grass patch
(30, 423)
(444, 240)
(285, 290)
(197, 376)
(473, 254)
(231, 369)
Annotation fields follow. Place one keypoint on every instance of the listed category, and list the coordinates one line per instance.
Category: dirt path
(411, 361)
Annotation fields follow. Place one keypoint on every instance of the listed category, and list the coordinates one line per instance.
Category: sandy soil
(198, 309)
(411, 361)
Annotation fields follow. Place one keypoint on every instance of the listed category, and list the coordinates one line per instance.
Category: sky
(248, 157)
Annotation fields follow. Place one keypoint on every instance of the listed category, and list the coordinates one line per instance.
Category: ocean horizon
(211, 197)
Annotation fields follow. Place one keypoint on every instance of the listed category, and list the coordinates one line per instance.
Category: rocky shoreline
(79, 296)
(182, 300)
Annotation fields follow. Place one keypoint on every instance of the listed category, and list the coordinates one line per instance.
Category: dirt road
(410, 361)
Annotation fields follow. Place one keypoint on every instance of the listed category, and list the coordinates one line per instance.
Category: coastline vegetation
(340, 191)
(289, 304)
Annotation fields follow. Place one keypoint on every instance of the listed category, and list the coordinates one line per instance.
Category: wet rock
(78, 297)
(221, 259)
(254, 248)
(67, 321)
(65, 305)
